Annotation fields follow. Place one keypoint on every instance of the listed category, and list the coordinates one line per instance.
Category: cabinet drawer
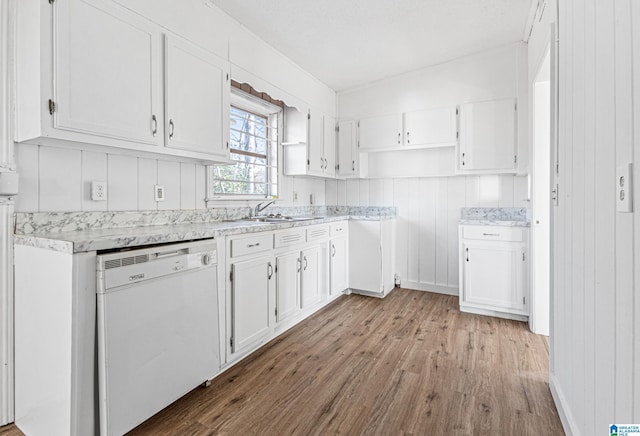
(289, 237)
(338, 229)
(494, 233)
(254, 244)
(317, 232)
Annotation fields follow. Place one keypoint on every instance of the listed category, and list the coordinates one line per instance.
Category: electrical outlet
(159, 192)
(98, 190)
(624, 188)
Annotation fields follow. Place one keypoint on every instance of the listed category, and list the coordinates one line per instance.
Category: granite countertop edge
(128, 237)
(495, 223)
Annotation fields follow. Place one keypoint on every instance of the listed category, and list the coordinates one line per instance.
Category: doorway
(541, 187)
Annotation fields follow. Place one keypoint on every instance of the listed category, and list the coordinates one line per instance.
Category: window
(253, 147)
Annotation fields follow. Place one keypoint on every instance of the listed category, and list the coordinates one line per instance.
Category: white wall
(428, 215)
(595, 349)
(54, 179)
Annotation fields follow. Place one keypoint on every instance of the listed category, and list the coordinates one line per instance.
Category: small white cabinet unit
(371, 256)
(251, 286)
(494, 270)
(380, 132)
(348, 155)
(310, 277)
(287, 285)
(488, 136)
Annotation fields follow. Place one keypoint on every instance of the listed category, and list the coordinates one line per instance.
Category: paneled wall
(595, 347)
(54, 179)
(428, 214)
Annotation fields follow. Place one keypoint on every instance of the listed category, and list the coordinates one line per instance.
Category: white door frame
(540, 188)
(7, 41)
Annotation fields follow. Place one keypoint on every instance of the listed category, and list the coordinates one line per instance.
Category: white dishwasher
(157, 329)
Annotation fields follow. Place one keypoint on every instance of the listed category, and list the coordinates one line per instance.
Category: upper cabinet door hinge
(231, 276)
(456, 111)
(227, 77)
(51, 1)
(52, 107)
(523, 256)
(309, 116)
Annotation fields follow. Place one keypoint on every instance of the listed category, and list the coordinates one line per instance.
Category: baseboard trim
(417, 286)
(568, 422)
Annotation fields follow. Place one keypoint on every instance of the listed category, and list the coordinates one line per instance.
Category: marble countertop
(495, 216)
(78, 241)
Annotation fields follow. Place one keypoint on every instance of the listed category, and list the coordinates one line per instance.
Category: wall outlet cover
(159, 192)
(98, 190)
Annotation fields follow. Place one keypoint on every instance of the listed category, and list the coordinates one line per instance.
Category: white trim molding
(7, 41)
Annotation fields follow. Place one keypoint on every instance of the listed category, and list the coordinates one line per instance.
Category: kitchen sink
(278, 219)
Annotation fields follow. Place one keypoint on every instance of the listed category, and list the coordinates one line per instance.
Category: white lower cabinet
(288, 266)
(252, 286)
(339, 259)
(371, 257)
(310, 277)
(494, 270)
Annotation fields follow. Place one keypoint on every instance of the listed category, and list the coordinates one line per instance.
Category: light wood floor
(411, 364)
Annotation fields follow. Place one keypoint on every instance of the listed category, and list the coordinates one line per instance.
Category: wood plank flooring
(410, 364)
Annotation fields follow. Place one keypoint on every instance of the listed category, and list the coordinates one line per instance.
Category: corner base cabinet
(371, 257)
(494, 271)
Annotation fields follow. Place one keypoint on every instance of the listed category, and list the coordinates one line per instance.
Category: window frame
(260, 107)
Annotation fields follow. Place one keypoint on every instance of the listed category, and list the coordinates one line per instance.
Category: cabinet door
(287, 285)
(329, 146)
(488, 135)
(494, 275)
(310, 277)
(250, 301)
(197, 93)
(108, 72)
(338, 266)
(347, 148)
(315, 153)
(383, 132)
(430, 127)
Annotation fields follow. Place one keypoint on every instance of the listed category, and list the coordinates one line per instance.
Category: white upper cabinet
(417, 129)
(107, 77)
(92, 72)
(381, 132)
(197, 93)
(430, 128)
(310, 143)
(348, 156)
(488, 136)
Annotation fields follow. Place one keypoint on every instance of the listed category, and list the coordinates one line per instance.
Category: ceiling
(347, 43)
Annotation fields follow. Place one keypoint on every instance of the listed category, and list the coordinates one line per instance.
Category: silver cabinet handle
(408, 140)
(326, 164)
(253, 245)
(462, 159)
(333, 248)
(306, 263)
(154, 120)
(353, 165)
(467, 255)
(491, 234)
(299, 264)
(399, 137)
(171, 129)
(269, 270)
(321, 163)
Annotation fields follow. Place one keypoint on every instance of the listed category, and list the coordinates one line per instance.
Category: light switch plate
(98, 190)
(624, 188)
(159, 192)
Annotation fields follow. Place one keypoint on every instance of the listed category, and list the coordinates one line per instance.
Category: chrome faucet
(259, 208)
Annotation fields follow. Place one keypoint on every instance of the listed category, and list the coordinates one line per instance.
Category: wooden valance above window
(245, 87)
